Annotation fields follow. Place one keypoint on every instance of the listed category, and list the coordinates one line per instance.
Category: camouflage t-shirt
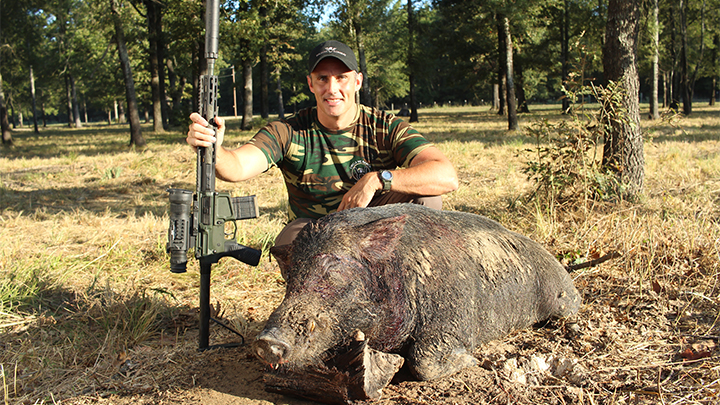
(320, 165)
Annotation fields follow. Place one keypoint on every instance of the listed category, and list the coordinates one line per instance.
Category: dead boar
(430, 285)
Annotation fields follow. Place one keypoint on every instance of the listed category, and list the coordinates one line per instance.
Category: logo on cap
(331, 49)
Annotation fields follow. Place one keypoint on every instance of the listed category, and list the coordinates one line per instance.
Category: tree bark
(136, 137)
(247, 96)
(623, 148)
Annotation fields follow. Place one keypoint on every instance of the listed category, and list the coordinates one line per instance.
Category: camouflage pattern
(320, 165)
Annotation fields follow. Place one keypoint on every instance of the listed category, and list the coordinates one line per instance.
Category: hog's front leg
(434, 357)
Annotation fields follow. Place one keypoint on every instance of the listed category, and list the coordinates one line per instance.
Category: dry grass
(88, 307)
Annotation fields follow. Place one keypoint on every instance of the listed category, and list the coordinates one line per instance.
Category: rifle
(199, 220)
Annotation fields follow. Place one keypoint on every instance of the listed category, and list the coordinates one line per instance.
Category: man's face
(334, 86)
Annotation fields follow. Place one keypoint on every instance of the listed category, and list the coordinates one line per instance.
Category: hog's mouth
(350, 371)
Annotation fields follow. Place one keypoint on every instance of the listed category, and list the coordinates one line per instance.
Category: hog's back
(467, 275)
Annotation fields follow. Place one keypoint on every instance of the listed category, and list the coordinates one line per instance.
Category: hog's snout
(271, 349)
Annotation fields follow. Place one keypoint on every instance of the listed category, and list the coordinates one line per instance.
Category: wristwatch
(386, 178)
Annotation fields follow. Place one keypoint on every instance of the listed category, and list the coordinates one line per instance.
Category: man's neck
(338, 123)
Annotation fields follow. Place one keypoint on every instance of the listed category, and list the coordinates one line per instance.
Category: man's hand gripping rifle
(199, 220)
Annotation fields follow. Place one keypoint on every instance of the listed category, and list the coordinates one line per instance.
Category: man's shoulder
(301, 120)
(377, 114)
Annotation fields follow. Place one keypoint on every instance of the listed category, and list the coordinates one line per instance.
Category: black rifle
(199, 220)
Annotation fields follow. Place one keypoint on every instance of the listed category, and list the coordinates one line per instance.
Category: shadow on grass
(94, 140)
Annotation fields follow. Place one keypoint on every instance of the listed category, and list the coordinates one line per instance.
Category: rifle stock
(199, 220)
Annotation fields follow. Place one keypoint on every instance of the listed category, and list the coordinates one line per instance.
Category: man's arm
(430, 173)
(234, 165)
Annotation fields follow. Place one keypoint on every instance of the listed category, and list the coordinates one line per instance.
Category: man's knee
(291, 230)
(431, 202)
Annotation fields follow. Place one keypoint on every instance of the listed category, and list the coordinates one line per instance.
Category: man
(338, 154)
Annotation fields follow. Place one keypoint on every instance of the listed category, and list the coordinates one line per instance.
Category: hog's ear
(282, 254)
(378, 239)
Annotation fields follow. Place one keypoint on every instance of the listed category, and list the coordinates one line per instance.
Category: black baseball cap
(332, 49)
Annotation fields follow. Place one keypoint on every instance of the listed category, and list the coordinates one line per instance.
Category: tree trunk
(176, 90)
(281, 103)
(674, 77)
(565, 51)
(496, 97)
(152, 20)
(502, 64)
(136, 137)
(365, 92)
(161, 70)
(685, 74)
(42, 109)
(75, 104)
(68, 95)
(714, 62)
(520, 89)
(411, 62)
(247, 96)
(510, 97)
(34, 100)
(623, 148)
(4, 121)
(655, 34)
(264, 83)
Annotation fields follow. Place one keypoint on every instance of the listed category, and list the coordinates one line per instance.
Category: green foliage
(566, 163)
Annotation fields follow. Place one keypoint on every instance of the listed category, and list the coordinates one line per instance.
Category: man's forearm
(427, 178)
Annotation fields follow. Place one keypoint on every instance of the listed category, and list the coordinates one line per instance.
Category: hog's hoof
(432, 367)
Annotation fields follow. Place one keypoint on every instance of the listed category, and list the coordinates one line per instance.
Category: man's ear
(359, 79)
(309, 80)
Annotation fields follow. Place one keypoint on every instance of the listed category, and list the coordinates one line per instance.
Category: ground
(618, 349)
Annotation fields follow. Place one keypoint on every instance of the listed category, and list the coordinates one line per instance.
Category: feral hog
(429, 285)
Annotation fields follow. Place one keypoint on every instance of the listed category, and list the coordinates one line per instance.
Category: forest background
(90, 314)
(81, 61)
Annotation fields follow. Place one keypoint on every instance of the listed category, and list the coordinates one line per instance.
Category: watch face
(386, 175)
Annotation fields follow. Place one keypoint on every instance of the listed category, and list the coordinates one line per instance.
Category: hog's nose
(270, 349)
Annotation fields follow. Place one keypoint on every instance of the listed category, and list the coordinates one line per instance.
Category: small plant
(112, 173)
(566, 163)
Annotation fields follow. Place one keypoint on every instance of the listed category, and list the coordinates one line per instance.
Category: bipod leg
(205, 317)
